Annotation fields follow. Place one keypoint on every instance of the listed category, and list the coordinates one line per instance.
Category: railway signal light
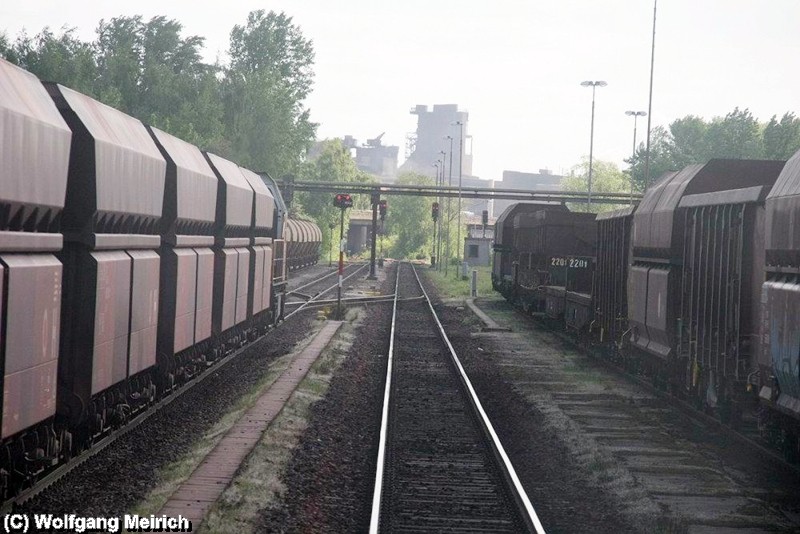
(435, 211)
(382, 207)
(485, 217)
(343, 200)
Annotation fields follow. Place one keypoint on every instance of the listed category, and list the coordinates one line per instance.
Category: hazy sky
(516, 66)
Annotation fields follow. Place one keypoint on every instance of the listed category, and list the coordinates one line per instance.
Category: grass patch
(176, 472)
(451, 286)
(258, 484)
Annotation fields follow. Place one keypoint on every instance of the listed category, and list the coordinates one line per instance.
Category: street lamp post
(635, 115)
(594, 86)
(434, 254)
(449, 182)
(460, 124)
(650, 99)
(448, 217)
(439, 222)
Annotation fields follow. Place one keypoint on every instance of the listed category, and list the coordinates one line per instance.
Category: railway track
(349, 272)
(64, 470)
(693, 472)
(746, 433)
(440, 464)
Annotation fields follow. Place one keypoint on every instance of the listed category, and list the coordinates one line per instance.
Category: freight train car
(695, 279)
(695, 288)
(32, 192)
(506, 255)
(111, 222)
(303, 239)
(130, 261)
(610, 302)
(778, 373)
(554, 256)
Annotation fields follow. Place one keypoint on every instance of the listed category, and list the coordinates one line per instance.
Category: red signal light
(343, 200)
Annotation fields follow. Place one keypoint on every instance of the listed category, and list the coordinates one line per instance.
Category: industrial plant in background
(374, 158)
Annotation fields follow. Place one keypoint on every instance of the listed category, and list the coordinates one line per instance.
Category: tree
(270, 43)
(661, 159)
(782, 139)
(410, 220)
(119, 53)
(252, 114)
(62, 58)
(269, 76)
(148, 69)
(5, 46)
(736, 136)
(606, 178)
(333, 164)
(689, 141)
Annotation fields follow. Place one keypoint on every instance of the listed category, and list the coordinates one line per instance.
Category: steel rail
(377, 494)
(320, 279)
(315, 297)
(60, 472)
(376, 299)
(509, 473)
(597, 355)
(516, 486)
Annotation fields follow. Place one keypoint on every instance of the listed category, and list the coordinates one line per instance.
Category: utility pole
(650, 99)
(376, 197)
(330, 256)
(635, 115)
(436, 249)
(594, 86)
(449, 219)
(435, 217)
(459, 244)
(341, 201)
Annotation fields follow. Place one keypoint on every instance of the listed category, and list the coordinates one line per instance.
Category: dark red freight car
(111, 220)
(611, 275)
(555, 252)
(723, 270)
(506, 256)
(231, 258)
(261, 264)
(32, 193)
(691, 285)
(778, 376)
(187, 278)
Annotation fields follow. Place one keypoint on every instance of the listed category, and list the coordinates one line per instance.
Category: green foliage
(271, 44)
(251, 112)
(781, 139)
(606, 178)
(452, 286)
(269, 76)
(149, 70)
(333, 164)
(62, 58)
(410, 220)
(737, 135)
